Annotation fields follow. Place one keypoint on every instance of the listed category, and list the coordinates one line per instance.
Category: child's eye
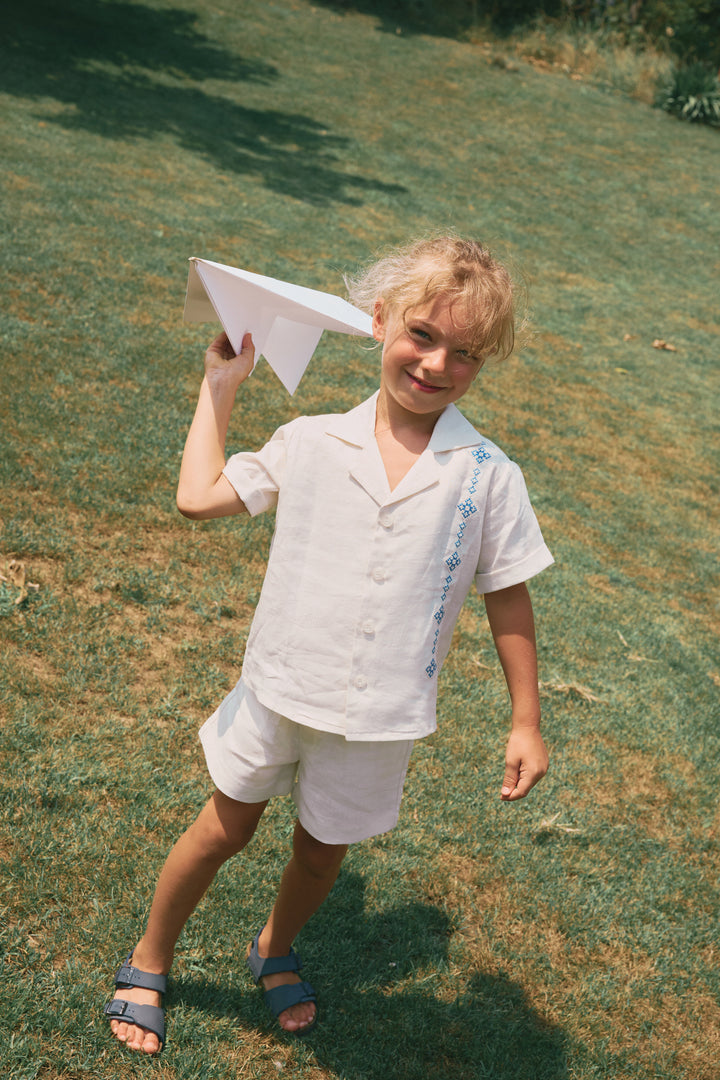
(417, 331)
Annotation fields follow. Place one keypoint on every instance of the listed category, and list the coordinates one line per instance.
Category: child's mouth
(427, 388)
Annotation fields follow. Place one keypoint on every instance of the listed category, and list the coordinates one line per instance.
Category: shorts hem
(324, 837)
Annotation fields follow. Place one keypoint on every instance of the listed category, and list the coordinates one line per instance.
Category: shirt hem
(285, 708)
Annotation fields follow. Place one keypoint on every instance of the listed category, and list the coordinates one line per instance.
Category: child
(386, 516)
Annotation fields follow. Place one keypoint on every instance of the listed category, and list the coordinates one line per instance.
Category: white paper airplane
(286, 321)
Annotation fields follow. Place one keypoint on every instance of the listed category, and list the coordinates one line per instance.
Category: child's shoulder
(456, 432)
(310, 425)
(356, 421)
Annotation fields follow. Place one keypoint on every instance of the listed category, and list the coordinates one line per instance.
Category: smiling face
(427, 362)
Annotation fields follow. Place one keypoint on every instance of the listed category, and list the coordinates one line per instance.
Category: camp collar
(451, 432)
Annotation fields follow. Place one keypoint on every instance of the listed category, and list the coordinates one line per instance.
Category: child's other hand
(223, 364)
(526, 762)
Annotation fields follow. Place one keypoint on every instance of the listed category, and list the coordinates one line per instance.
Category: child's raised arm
(203, 491)
(510, 615)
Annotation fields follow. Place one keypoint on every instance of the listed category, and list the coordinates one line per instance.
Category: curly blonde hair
(462, 270)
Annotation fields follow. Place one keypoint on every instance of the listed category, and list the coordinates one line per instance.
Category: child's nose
(436, 359)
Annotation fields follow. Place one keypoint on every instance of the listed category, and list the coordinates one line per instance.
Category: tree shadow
(125, 70)
(451, 19)
(375, 1028)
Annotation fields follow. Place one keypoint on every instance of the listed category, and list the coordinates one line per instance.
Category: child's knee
(227, 826)
(315, 857)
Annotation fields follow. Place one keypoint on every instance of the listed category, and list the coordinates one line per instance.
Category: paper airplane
(286, 321)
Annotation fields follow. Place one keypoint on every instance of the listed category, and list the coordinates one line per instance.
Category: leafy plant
(694, 95)
(688, 28)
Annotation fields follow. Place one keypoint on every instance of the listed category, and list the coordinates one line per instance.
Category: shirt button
(386, 520)
(368, 627)
(360, 682)
(378, 574)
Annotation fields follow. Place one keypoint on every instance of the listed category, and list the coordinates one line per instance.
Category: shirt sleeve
(512, 548)
(257, 476)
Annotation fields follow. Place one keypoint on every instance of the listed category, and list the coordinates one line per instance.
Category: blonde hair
(461, 270)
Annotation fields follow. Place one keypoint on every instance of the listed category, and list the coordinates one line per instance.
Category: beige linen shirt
(364, 584)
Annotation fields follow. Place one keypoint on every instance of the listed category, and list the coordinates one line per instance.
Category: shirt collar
(451, 432)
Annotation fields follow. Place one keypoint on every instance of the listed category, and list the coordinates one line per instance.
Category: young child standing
(386, 516)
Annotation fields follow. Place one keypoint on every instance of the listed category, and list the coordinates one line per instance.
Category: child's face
(426, 361)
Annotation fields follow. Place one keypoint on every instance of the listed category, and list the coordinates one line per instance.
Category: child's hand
(526, 762)
(222, 364)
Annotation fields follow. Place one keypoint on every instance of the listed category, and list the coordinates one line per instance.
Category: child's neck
(401, 437)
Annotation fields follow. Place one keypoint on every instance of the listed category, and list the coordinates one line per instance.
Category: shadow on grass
(125, 70)
(452, 19)
(384, 1014)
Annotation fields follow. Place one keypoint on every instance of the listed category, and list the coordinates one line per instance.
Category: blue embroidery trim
(466, 509)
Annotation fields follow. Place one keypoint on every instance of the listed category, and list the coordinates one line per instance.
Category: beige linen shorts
(344, 791)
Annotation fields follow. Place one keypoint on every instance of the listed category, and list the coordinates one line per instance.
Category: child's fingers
(221, 345)
(526, 762)
(519, 781)
(509, 784)
(248, 347)
(220, 355)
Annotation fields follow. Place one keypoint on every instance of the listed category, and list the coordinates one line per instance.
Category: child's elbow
(201, 505)
(187, 507)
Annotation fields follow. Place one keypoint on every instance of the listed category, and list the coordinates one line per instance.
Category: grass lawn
(571, 937)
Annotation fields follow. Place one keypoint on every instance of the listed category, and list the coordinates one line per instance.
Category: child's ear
(378, 322)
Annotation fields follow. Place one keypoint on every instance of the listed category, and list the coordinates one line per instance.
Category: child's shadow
(387, 1007)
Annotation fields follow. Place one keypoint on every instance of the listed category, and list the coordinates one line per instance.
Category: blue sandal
(150, 1017)
(281, 997)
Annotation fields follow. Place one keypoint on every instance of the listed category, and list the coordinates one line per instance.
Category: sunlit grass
(571, 936)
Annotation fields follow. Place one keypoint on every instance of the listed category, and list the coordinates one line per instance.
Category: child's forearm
(203, 491)
(203, 458)
(511, 620)
(512, 624)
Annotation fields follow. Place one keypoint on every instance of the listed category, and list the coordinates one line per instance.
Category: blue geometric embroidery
(467, 508)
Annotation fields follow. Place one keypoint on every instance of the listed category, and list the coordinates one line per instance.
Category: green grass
(573, 936)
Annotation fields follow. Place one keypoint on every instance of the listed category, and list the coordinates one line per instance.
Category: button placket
(378, 573)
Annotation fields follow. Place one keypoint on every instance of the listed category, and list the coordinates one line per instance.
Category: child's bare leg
(222, 828)
(306, 882)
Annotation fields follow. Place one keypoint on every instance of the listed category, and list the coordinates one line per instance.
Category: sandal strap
(150, 1017)
(128, 976)
(283, 997)
(270, 965)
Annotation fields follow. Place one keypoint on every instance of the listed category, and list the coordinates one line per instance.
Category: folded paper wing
(286, 321)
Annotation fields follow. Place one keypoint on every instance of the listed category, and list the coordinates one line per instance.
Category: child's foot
(298, 1017)
(134, 1035)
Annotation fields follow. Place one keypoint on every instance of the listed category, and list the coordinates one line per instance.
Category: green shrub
(690, 29)
(693, 94)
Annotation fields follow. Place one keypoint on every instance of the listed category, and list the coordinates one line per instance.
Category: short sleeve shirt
(364, 585)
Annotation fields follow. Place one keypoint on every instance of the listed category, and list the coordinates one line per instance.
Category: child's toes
(119, 1030)
(132, 1035)
(135, 1039)
(297, 1016)
(140, 1039)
